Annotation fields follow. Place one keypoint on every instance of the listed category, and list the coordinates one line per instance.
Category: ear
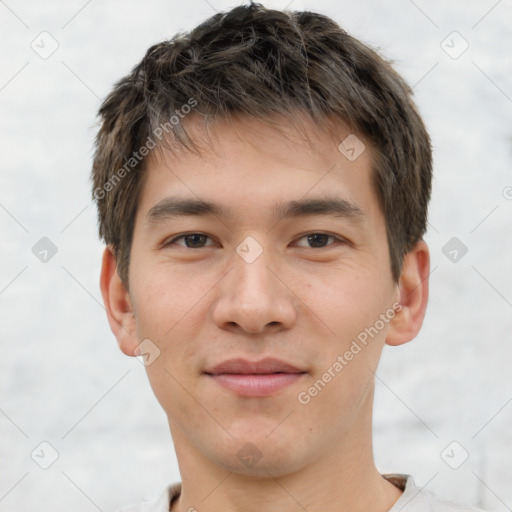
(413, 292)
(118, 304)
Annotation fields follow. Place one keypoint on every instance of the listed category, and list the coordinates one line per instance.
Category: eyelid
(337, 239)
(173, 239)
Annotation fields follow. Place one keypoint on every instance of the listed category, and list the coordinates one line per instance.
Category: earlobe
(413, 290)
(117, 304)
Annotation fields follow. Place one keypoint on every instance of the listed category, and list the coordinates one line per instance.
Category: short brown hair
(260, 62)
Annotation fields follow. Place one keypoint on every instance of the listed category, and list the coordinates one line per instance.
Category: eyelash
(185, 235)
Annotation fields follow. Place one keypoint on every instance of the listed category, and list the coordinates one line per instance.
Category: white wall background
(63, 379)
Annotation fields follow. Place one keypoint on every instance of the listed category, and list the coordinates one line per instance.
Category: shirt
(413, 499)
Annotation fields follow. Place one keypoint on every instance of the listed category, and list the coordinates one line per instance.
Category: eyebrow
(173, 207)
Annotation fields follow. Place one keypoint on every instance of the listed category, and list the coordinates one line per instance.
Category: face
(293, 265)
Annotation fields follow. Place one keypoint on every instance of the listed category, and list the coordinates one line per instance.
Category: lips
(246, 367)
(255, 378)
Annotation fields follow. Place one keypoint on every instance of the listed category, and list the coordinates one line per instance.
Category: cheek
(163, 300)
(169, 319)
(347, 300)
(350, 305)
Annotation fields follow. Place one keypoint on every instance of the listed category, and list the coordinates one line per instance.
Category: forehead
(249, 165)
(279, 138)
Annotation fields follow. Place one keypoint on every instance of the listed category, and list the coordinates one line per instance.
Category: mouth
(255, 378)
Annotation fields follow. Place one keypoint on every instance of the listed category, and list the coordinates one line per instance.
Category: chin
(261, 455)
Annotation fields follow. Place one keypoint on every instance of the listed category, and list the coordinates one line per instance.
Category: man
(262, 185)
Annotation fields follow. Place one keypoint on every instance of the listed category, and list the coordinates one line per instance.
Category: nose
(254, 297)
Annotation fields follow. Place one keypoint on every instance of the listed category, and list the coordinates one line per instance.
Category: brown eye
(192, 240)
(318, 240)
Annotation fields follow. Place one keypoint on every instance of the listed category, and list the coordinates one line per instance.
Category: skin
(300, 302)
